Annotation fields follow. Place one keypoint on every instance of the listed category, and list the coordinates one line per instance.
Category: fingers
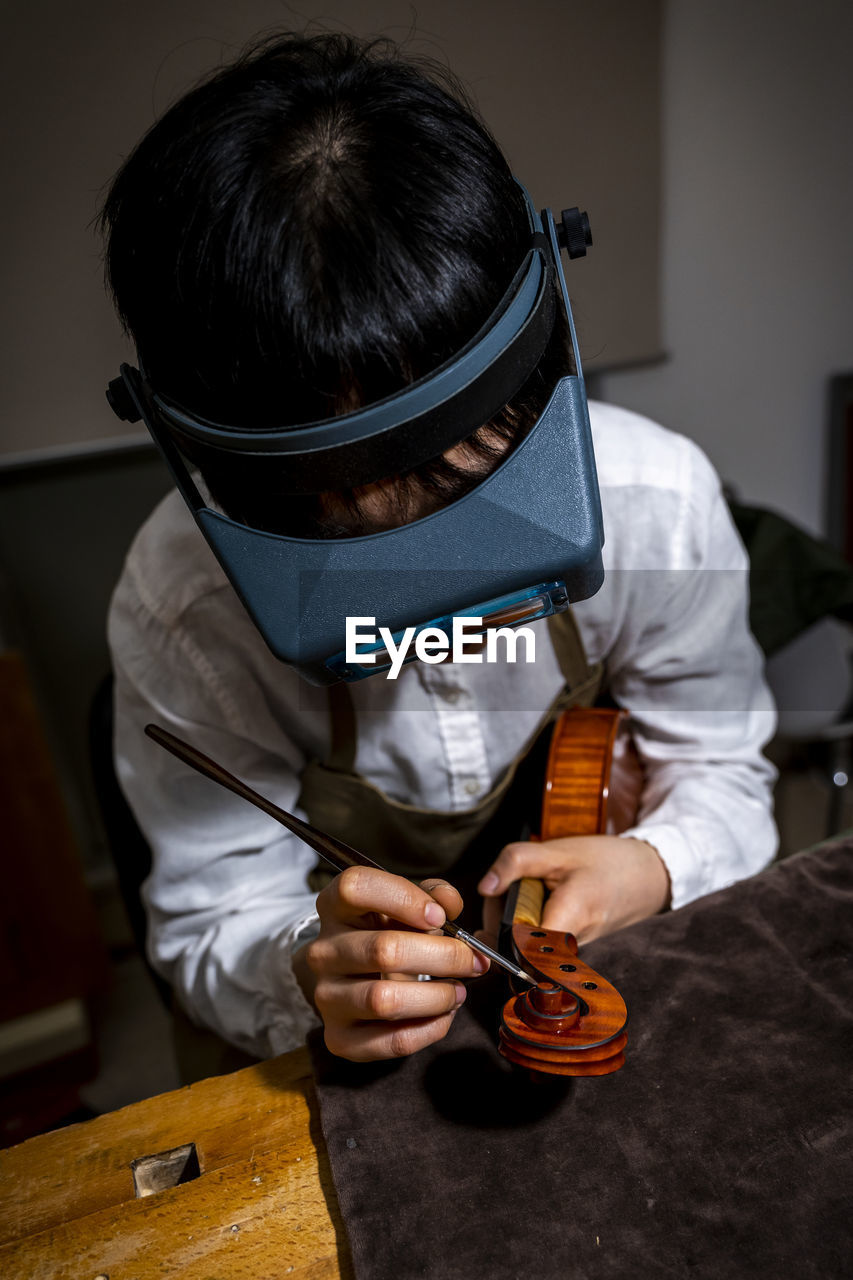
(573, 906)
(381, 1000)
(572, 903)
(445, 895)
(369, 1042)
(596, 883)
(379, 1017)
(378, 932)
(358, 895)
(354, 951)
(522, 858)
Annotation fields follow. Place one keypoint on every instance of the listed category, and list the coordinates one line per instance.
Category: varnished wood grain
(577, 786)
(575, 803)
(264, 1205)
(591, 1044)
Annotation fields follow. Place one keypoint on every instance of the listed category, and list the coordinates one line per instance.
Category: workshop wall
(570, 91)
(757, 245)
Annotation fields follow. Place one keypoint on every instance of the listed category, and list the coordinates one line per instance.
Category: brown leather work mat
(722, 1149)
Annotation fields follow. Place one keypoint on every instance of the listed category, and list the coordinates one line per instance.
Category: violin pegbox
(573, 1022)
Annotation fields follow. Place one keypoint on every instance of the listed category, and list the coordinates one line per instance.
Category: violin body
(573, 1022)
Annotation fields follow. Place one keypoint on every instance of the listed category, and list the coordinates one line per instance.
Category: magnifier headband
(523, 543)
(419, 422)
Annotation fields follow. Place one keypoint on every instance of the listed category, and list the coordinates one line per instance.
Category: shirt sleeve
(689, 672)
(227, 899)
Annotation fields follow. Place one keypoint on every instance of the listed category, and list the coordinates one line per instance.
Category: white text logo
(431, 644)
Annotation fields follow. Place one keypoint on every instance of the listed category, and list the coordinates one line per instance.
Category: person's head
(310, 229)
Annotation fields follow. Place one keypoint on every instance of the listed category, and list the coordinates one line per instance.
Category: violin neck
(530, 898)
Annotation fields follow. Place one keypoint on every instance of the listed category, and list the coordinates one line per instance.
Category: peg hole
(546, 948)
(590, 986)
(537, 933)
(568, 968)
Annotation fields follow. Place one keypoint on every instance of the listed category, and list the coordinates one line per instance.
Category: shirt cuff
(683, 865)
(296, 1016)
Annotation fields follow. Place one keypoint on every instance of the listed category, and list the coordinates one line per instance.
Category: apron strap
(344, 738)
(583, 681)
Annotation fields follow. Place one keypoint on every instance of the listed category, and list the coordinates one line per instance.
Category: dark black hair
(308, 230)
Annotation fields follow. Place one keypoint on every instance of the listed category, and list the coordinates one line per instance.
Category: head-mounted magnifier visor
(522, 544)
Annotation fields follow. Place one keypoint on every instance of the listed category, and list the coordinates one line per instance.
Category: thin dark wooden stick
(337, 853)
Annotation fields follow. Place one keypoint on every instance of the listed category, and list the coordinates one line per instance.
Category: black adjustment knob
(573, 232)
(121, 402)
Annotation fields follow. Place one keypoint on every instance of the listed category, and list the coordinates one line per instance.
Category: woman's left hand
(597, 883)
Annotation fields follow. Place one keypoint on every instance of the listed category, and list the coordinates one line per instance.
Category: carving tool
(336, 853)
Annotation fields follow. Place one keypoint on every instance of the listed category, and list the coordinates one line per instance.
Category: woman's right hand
(379, 931)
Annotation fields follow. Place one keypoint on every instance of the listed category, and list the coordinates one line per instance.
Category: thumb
(522, 858)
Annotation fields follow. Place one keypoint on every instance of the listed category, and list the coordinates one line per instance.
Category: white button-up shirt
(227, 898)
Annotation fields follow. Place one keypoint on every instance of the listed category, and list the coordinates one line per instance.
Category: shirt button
(472, 787)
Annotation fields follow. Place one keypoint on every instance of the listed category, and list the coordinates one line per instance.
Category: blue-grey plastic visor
(531, 531)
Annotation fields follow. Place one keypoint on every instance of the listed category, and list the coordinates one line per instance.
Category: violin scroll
(573, 1022)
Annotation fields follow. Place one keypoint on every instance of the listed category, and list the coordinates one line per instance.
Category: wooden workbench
(262, 1204)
